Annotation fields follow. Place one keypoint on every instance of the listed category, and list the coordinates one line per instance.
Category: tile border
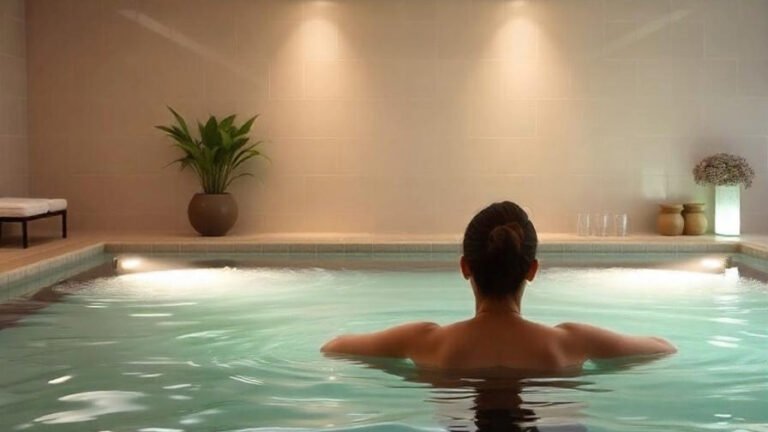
(375, 248)
(47, 269)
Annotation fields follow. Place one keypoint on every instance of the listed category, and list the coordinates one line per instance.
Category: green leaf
(226, 123)
(226, 139)
(210, 133)
(246, 127)
(218, 154)
(180, 121)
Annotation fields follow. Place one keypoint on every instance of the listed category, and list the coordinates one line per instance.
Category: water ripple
(101, 403)
(246, 354)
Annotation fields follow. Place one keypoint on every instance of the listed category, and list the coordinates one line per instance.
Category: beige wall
(13, 100)
(399, 115)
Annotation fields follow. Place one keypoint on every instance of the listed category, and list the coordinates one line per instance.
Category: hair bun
(506, 240)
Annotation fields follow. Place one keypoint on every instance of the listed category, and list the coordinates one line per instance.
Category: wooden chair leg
(64, 224)
(24, 238)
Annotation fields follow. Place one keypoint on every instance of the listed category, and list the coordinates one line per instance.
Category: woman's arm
(397, 342)
(597, 343)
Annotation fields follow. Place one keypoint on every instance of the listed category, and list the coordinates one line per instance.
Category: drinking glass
(601, 224)
(620, 224)
(583, 224)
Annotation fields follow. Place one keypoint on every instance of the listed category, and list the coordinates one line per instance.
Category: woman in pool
(499, 259)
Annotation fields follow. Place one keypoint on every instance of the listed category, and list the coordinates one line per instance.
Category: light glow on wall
(519, 34)
(319, 39)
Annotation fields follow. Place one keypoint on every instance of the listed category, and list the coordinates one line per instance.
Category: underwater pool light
(131, 263)
(185, 278)
(713, 263)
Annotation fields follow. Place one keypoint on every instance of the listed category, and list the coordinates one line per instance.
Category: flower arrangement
(724, 169)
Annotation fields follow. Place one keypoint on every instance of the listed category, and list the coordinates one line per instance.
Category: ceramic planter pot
(212, 215)
(670, 221)
(695, 219)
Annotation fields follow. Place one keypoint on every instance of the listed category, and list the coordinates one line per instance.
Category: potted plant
(216, 156)
(727, 173)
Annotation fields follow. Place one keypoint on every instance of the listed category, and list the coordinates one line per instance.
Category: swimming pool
(234, 346)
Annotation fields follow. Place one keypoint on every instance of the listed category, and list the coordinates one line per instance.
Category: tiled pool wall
(24, 279)
(373, 248)
(754, 250)
(17, 282)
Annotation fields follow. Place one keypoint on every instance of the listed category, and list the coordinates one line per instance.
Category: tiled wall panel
(13, 100)
(399, 115)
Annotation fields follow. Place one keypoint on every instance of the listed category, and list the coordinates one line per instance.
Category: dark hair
(499, 246)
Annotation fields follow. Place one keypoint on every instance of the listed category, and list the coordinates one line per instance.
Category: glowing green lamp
(728, 210)
(727, 173)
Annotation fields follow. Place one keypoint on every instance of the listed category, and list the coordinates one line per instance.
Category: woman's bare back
(488, 342)
(507, 341)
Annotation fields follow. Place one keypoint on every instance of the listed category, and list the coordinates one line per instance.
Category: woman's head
(500, 248)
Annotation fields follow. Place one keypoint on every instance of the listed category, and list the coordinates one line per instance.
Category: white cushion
(56, 204)
(24, 207)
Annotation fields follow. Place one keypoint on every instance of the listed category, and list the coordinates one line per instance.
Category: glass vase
(728, 210)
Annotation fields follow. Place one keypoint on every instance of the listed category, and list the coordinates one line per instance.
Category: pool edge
(72, 258)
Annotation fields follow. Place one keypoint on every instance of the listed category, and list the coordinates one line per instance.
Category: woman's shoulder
(419, 328)
(598, 343)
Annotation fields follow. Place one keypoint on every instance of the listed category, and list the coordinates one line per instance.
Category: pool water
(227, 349)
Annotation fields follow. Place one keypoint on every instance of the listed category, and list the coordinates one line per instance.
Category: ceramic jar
(695, 219)
(212, 215)
(670, 221)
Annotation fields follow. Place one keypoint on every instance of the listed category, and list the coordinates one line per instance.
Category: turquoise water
(237, 350)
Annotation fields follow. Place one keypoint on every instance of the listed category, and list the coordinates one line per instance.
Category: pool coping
(48, 267)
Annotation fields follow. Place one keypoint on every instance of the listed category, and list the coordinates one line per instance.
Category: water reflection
(495, 400)
(498, 404)
(504, 403)
(98, 404)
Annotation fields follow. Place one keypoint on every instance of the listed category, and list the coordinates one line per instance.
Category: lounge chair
(24, 210)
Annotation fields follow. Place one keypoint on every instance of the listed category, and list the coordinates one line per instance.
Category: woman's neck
(499, 307)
